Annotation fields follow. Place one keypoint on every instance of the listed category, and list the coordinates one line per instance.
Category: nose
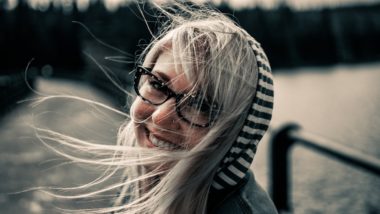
(165, 115)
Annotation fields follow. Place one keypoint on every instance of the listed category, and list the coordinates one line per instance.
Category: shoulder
(249, 199)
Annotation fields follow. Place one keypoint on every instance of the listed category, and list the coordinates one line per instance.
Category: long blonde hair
(215, 54)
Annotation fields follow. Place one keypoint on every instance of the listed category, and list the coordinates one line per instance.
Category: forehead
(169, 71)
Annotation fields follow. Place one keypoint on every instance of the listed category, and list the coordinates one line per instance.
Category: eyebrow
(167, 80)
(162, 75)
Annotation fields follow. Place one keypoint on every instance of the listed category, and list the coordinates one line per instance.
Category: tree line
(290, 38)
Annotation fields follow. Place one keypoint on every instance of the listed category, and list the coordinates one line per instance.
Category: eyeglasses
(193, 109)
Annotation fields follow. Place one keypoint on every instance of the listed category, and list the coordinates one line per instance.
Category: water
(342, 104)
(25, 162)
(339, 103)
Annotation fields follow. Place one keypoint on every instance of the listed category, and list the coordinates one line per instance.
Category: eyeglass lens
(191, 109)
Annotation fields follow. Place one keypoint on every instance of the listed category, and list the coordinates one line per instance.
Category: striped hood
(238, 159)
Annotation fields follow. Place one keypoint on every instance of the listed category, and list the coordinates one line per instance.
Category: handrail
(291, 134)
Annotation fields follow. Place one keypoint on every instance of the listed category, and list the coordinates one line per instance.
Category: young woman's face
(159, 126)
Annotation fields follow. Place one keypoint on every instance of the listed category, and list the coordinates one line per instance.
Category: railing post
(280, 144)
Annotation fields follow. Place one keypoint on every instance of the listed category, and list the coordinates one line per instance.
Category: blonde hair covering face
(206, 31)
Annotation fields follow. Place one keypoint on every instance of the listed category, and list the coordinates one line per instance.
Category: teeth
(162, 144)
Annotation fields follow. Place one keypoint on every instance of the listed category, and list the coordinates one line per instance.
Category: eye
(199, 105)
(197, 110)
(156, 84)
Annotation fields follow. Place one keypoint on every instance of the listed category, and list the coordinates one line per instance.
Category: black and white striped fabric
(238, 159)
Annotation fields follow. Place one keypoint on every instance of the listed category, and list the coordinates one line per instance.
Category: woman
(204, 100)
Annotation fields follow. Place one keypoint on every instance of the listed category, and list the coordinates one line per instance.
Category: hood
(238, 159)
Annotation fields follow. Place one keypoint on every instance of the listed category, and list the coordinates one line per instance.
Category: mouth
(162, 144)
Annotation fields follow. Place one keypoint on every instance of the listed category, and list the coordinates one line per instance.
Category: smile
(162, 144)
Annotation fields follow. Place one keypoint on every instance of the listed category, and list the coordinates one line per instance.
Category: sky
(238, 4)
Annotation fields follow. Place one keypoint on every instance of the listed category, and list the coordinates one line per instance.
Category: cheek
(195, 136)
(140, 110)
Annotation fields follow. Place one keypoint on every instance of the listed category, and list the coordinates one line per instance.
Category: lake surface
(341, 103)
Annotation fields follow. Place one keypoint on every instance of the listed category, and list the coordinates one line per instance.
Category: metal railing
(292, 134)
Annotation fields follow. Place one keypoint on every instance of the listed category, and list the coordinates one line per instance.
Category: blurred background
(325, 55)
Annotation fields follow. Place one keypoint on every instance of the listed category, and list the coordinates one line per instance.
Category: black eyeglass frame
(170, 94)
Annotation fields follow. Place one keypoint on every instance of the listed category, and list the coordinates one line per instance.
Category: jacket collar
(217, 197)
